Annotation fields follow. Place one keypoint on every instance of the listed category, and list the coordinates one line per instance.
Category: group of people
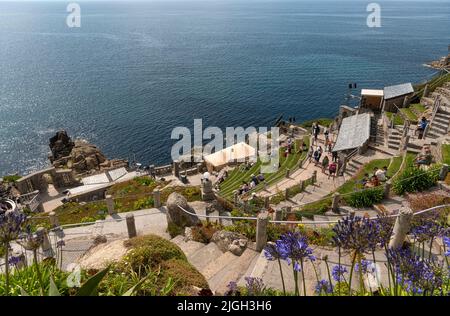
(254, 181)
(379, 175)
(325, 164)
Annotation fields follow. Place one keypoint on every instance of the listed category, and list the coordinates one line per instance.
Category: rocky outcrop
(79, 155)
(230, 241)
(61, 146)
(176, 216)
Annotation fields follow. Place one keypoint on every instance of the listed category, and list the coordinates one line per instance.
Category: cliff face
(81, 156)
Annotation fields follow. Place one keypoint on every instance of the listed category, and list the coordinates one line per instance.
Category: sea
(135, 70)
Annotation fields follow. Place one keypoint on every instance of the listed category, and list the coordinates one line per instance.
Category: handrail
(306, 222)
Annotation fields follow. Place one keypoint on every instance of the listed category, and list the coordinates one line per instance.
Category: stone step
(437, 131)
(232, 270)
(439, 127)
(204, 257)
(440, 120)
(442, 114)
(188, 247)
(269, 272)
(394, 146)
(384, 150)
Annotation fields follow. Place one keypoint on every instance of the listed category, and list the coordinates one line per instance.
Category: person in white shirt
(381, 174)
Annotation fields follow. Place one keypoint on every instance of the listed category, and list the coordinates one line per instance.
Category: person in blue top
(422, 125)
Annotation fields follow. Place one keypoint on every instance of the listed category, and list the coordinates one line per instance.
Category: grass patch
(409, 114)
(316, 208)
(11, 178)
(398, 120)
(446, 154)
(353, 185)
(322, 121)
(396, 162)
(418, 108)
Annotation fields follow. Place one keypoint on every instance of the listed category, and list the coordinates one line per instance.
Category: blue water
(135, 70)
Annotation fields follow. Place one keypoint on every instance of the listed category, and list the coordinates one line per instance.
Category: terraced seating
(237, 176)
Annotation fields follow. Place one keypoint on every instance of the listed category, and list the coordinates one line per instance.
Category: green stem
(38, 271)
(303, 278)
(6, 269)
(329, 274)
(362, 287)
(351, 275)
(295, 280)
(282, 277)
(431, 248)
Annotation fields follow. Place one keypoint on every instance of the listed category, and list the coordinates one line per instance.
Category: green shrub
(150, 250)
(144, 203)
(174, 230)
(414, 179)
(27, 278)
(246, 228)
(184, 275)
(11, 178)
(146, 181)
(365, 198)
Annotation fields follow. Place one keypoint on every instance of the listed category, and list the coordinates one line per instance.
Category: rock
(100, 239)
(176, 215)
(188, 234)
(60, 145)
(99, 256)
(238, 246)
(224, 239)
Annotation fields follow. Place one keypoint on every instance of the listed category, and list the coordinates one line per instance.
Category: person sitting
(244, 188)
(255, 180)
(252, 185)
(260, 177)
(332, 169)
(304, 148)
(374, 182)
(381, 174)
(325, 162)
(425, 157)
(364, 180)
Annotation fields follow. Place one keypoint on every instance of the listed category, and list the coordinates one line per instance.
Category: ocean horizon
(135, 70)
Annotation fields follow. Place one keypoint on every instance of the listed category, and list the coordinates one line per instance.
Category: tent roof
(354, 132)
(238, 151)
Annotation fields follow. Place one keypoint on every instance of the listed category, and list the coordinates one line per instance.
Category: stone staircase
(353, 166)
(217, 267)
(394, 139)
(440, 125)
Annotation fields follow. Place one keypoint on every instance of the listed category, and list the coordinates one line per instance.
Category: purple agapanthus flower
(446, 241)
(338, 272)
(294, 248)
(14, 260)
(357, 233)
(273, 251)
(413, 272)
(427, 230)
(323, 286)
(255, 286)
(366, 266)
(10, 225)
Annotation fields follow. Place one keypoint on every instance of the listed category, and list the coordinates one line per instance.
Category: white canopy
(240, 151)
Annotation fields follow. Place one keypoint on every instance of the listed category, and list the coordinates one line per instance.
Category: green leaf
(131, 291)
(23, 292)
(53, 290)
(89, 288)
